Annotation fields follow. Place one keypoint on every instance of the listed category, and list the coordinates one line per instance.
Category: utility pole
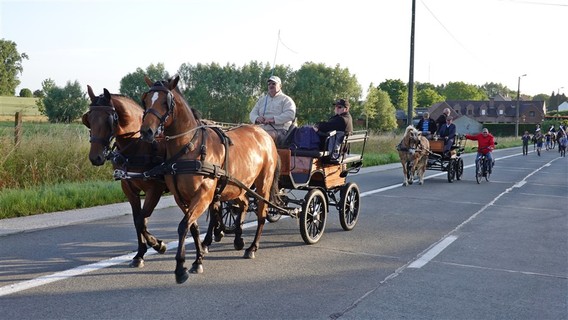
(411, 72)
(518, 100)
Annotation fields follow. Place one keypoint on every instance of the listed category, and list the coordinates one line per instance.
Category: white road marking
(432, 253)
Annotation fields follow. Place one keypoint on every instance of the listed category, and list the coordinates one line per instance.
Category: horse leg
(214, 225)
(152, 198)
(181, 271)
(138, 219)
(404, 173)
(197, 266)
(261, 219)
(242, 204)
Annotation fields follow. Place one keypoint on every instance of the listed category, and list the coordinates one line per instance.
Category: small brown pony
(413, 152)
(113, 116)
(206, 165)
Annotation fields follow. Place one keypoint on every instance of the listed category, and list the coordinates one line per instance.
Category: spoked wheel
(451, 170)
(459, 168)
(349, 206)
(229, 216)
(487, 174)
(313, 216)
(479, 173)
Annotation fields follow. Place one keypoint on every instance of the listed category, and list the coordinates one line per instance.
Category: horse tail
(274, 190)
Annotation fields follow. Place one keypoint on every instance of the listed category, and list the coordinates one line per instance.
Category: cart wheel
(451, 170)
(313, 216)
(459, 168)
(229, 216)
(273, 215)
(349, 206)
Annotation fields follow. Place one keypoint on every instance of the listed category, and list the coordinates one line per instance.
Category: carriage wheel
(451, 170)
(459, 168)
(229, 216)
(349, 206)
(313, 216)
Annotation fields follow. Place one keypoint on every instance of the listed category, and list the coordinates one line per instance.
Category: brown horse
(113, 116)
(206, 165)
(421, 158)
(406, 149)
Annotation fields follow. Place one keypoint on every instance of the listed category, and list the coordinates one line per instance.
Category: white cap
(275, 79)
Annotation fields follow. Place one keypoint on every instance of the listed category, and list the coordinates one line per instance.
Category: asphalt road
(461, 250)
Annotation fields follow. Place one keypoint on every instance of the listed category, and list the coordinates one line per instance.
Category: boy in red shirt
(485, 144)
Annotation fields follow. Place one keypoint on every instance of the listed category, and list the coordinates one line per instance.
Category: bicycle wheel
(486, 169)
(478, 172)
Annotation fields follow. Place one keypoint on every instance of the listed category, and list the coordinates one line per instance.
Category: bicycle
(482, 168)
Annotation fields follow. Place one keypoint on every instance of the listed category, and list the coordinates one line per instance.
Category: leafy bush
(26, 93)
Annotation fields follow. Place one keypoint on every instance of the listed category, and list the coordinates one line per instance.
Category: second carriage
(451, 163)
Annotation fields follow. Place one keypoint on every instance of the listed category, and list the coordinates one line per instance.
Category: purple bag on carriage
(305, 138)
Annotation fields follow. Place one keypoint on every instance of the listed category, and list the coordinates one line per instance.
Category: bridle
(170, 103)
(112, 121)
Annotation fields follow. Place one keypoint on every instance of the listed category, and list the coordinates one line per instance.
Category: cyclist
(485, 144)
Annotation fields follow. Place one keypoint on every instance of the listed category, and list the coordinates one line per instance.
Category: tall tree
(384, 118)
(133, 84)
(462, 91)
(64, 105)
(316, 86)
(395, 89)
(10, 67)
(492, 89)
(427, 97)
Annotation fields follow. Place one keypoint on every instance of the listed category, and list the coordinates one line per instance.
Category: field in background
(10, 105)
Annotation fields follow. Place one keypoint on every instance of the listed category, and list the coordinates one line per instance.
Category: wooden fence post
(18, 129)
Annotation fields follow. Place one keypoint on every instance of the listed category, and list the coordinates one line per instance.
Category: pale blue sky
(97, 42)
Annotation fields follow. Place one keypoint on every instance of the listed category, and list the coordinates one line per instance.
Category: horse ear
(107, 94)
(174, 82)
(91, 94)
(148, 81)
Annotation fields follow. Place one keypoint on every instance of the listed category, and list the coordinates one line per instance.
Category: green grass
(10, 105)
(52, 198)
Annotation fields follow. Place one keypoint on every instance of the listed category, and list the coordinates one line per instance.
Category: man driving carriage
(275, 111)
(485, 144)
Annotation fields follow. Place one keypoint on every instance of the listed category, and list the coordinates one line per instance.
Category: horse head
(160, 103)
(102, 121)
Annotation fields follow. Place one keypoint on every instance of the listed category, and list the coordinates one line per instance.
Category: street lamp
(517, 111)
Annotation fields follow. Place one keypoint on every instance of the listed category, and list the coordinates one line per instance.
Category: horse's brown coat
(253, 160)
(102, 124)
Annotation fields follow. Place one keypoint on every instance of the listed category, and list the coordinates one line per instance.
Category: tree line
(227, 93)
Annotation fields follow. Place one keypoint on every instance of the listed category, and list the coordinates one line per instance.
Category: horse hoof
(249, 254)
(219, 236)
(181, 278)
(136, 263)
(196, 268)
(239, 244)
(160, 247)
(420, 183)
(205, 249)
(404, 184)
